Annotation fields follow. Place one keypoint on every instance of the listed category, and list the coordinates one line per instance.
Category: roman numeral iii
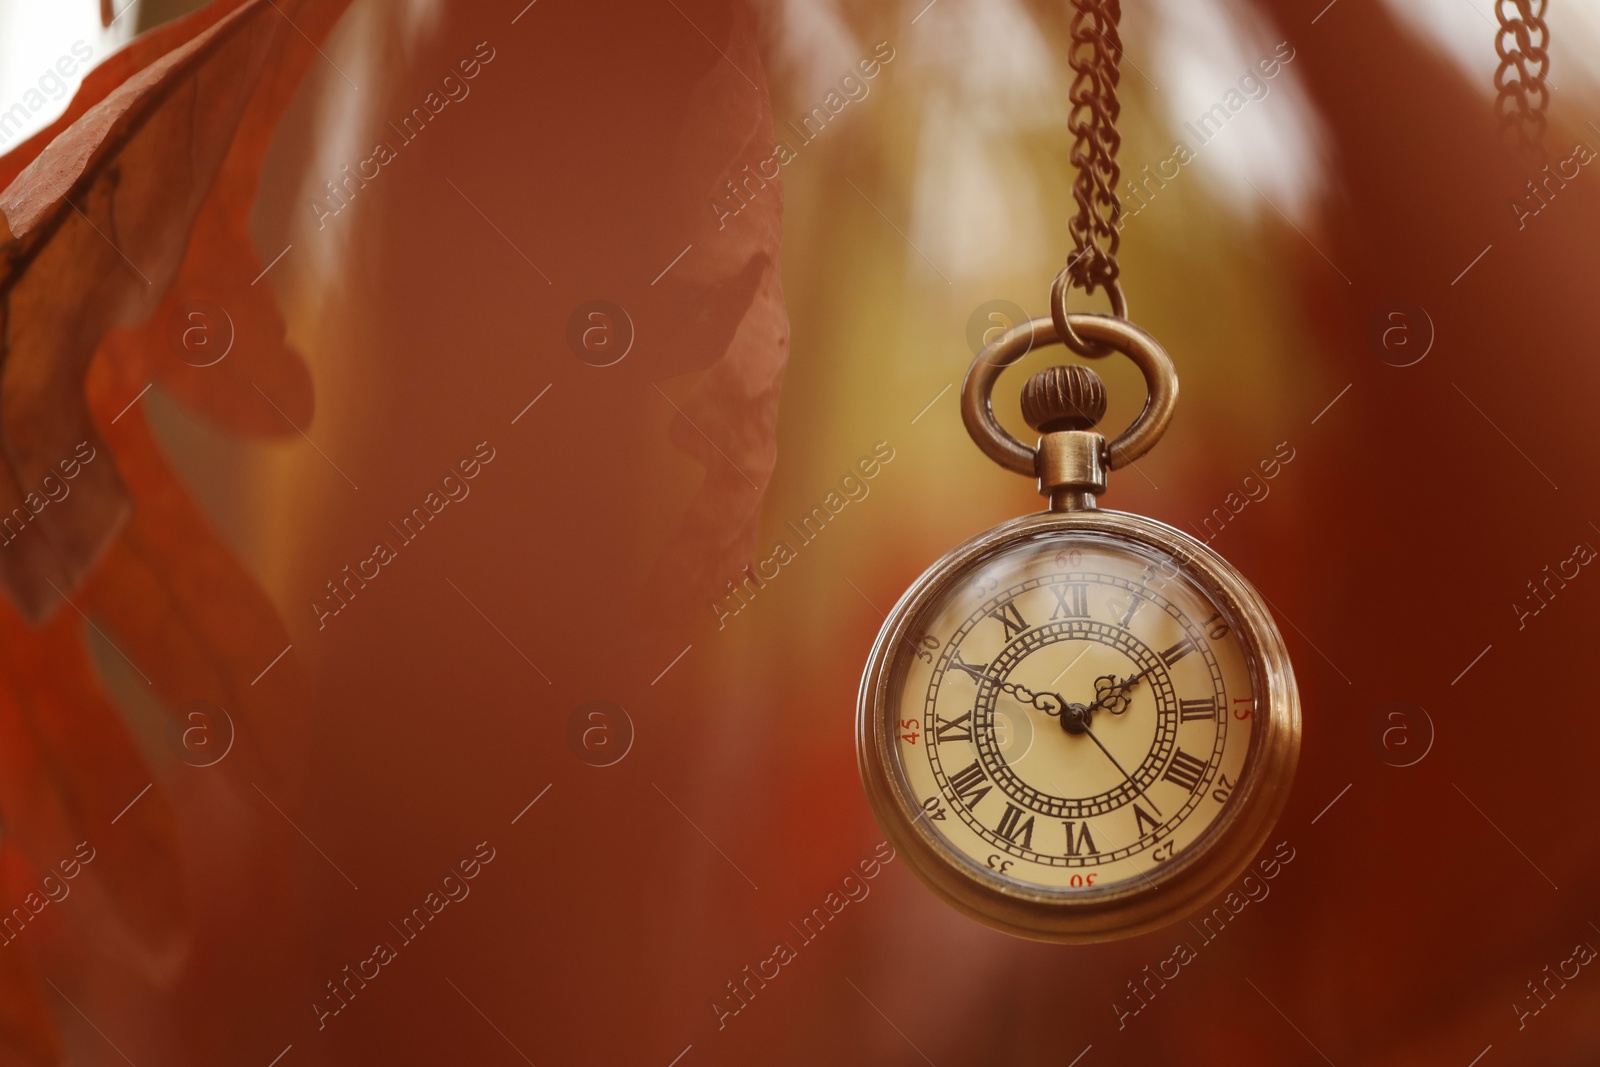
(1178, 651)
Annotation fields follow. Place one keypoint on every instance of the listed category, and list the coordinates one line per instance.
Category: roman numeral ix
(957, 729)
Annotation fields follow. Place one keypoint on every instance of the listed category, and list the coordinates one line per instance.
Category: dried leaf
(223, 271)
(67, 769)
(148, 177)
(186, 612)
(95, 228)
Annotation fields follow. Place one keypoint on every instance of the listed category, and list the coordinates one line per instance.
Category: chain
(1095, 51)
(1523, 44)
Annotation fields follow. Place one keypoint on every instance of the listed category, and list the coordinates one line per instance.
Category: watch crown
(1069, 397)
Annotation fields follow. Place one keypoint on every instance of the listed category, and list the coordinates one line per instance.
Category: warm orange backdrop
(435, 307)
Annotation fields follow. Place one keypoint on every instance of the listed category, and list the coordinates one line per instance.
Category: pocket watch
(1081, 724)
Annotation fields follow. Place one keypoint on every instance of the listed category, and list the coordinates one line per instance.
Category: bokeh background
(1441, 460)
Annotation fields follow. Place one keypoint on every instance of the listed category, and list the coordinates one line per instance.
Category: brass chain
(1523, 43)
(1095, 51)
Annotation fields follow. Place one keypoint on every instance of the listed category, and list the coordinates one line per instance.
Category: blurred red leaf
(27, 1038)
(186, 612)
(96, 227)
(729, 420)
(68, 768)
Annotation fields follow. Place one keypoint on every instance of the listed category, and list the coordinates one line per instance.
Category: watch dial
(1073, 713)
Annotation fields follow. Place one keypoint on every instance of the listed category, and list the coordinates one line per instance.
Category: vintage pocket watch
(1081, 724)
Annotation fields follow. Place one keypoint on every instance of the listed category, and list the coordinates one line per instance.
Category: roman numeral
(1141, 817)
(1011, 827)
(1072, 601)
(957, 729)
(1185, 770)
(1082, 843)
(1135, 602)
(1197, 709)
(972, 671)
(1009, 617)
(970, 785)
(1178, 651)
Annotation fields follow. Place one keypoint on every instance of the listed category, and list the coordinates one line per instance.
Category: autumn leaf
(68, 768)
(186, 612)
(136, 200)
(96, 227)
(223, 271)
(27, 1037)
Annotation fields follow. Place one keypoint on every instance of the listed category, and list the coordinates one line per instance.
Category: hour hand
(1111, 694)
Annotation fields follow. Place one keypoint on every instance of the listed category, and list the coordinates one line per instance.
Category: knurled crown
(1069, 397)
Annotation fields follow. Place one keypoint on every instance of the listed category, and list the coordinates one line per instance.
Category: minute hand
(1026, 695)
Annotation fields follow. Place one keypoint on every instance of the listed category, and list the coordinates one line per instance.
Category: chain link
(1095, 51)
(1523, 44)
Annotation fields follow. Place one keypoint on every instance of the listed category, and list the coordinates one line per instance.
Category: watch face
(1072, 714)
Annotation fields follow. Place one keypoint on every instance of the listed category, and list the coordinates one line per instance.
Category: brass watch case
(1174, 888)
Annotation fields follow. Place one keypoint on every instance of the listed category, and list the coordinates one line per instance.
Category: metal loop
(1062, 319)
(1117, 335)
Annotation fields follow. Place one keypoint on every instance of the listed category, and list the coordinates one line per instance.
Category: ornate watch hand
(1117, 692)
(1026, 695)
